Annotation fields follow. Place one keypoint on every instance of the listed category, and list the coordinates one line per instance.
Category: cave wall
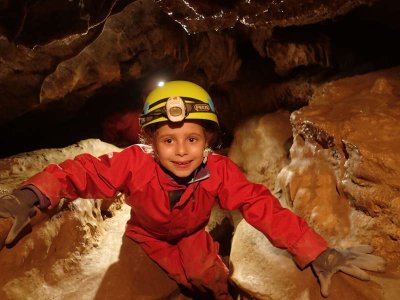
(67, 65)
(341, 174)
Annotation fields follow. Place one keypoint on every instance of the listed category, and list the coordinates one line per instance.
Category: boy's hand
(348, 260)
(20, 206)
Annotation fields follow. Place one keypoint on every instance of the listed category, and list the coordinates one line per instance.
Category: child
(171, 186)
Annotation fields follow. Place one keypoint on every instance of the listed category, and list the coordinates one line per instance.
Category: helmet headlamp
(175, 109)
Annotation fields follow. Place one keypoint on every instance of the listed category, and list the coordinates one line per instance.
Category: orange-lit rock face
(50, 74)
(55, 243)
(197, 16)
(343, 178)
(351, 131)
(260, 147)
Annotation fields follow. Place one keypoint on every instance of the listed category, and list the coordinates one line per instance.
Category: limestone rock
(358, 133)
(260, 147)
(71, 248)
(343, 179)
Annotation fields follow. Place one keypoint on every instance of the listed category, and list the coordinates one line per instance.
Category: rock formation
(67, 65)
(343, 177)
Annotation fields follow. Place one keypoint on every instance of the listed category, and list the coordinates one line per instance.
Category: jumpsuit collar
(201, 173)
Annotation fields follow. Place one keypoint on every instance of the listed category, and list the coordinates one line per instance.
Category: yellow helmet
(176, 101)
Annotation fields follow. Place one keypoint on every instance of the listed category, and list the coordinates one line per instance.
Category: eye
(167, 141)
(192, 139)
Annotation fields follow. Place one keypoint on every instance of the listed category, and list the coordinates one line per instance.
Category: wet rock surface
(72, 64)
(342, 177)
(355, 122)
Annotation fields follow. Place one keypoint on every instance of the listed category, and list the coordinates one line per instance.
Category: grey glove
(348, 260)
(20, 206)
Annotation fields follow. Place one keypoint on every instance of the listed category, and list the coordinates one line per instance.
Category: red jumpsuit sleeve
(263, 211)
(88, 176)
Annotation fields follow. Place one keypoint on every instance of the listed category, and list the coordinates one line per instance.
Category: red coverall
(175, 238)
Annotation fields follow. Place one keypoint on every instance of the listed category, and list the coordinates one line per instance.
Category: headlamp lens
(175, 111)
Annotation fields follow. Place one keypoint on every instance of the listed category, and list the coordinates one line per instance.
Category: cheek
(164, 150)
(199, 149)
(158, 148)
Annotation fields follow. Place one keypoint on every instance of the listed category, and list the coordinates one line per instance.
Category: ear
(205, 154)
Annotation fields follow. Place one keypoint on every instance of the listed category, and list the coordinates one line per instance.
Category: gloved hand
(20, 206)
(348, 260)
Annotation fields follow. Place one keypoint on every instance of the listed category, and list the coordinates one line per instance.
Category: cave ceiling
(66, 64)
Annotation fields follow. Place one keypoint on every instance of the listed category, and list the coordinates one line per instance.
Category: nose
(181, 148)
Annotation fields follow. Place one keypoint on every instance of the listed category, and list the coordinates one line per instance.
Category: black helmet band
(176, 109)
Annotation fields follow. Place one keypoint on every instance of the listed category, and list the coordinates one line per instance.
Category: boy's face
(180, 147)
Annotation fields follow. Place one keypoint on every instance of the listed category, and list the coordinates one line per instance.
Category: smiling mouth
(181, 164)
